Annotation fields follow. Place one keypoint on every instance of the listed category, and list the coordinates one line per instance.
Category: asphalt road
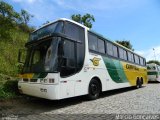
(145, 100)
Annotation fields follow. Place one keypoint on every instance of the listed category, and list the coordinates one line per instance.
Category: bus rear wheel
(139, 83)
(94, 89)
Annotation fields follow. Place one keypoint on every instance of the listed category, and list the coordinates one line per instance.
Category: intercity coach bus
(153, 72)
(66, 59)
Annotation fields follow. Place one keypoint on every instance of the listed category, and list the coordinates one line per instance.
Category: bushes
(9, 89)
(11, 86)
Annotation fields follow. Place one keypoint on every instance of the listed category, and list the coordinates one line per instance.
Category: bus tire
(138, 84)
(142, 81)
(94, 89)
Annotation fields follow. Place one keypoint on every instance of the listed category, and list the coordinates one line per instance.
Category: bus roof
(62, 19)
(152, 64)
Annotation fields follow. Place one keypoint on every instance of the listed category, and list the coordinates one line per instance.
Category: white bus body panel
(34, 89)
(154, 69)
(154, 78)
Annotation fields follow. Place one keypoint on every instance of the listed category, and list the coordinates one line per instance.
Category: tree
(25, 17)
(154, 61)
(23, 21)
(126, 44)
(86, 19)
(11, 20)
(77, 18)
(5, 28)
(7, 11)
(8, 20)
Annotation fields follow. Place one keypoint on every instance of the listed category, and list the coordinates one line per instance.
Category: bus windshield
(42, 57)
(47, 31)
(151, 67)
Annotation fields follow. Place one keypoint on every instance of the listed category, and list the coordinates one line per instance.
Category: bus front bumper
(47, 91)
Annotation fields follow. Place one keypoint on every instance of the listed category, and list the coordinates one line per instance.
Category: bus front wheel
(94, 89)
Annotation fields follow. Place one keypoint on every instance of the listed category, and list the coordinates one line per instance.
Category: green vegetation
(14, 32)
(8, 89)
(154, 61)
(86, 19)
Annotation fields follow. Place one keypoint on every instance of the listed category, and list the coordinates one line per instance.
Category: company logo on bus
(95, 61)
(132, 67)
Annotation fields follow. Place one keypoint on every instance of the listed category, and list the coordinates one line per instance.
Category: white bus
(153, 72)
(65, 59)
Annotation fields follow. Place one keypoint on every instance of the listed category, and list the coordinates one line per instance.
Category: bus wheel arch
(94, 88)
(99, 82)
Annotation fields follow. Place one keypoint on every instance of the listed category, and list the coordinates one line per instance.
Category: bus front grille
(33, 80)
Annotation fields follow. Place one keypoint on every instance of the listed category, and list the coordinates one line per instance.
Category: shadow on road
(118, 91)
(153, 82)
(31, 105)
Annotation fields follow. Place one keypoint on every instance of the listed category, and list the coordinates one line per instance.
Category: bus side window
(125, 54)
(109, 48)
(136, 59)
(129, 56)
(132, 58)
(101, 47)
(93, 42)
(115, 51)
(121, 53)
(141, 61)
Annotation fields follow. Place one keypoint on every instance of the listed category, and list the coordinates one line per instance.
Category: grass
(9, 53)
(9, 62)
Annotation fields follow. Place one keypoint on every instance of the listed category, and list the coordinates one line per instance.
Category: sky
(135, 20)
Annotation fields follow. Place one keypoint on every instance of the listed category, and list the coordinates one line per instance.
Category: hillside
(9, 52)
(14, 33)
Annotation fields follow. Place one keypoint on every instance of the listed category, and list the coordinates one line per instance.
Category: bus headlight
(45, 80)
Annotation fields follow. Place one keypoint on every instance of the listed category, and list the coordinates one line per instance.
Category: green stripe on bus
(153, 73)
(115, 70)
